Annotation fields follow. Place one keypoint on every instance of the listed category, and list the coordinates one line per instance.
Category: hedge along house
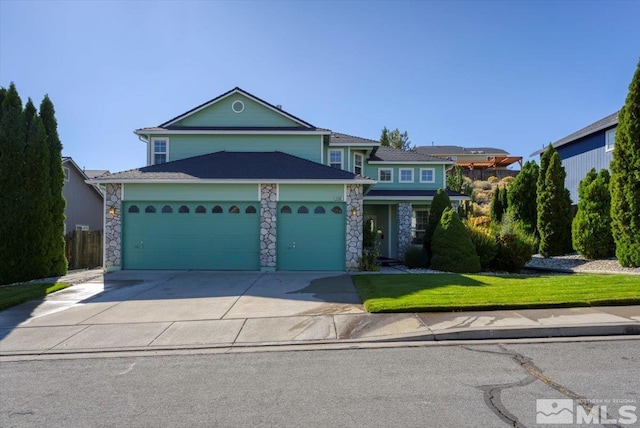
(239, 184)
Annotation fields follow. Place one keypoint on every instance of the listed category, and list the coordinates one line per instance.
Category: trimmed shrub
(514, 246)
(522, 197)
(439, 204)
(451, 247)
(415, 257)
(496, 209)
(484, 242)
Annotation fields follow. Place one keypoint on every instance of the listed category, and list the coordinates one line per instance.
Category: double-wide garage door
(176, 235)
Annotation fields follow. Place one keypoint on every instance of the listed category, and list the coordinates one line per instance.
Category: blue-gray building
(590, 147)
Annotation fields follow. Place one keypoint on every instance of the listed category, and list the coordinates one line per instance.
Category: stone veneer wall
(404, 227)
(113, 227)
(354, 226)
(268, 226)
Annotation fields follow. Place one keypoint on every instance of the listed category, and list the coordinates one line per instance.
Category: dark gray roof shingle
(235, 165)
(339, 138)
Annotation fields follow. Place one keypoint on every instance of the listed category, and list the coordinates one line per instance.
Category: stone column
(113, 227)
(354, 226)
(405, 211)
(268, 226)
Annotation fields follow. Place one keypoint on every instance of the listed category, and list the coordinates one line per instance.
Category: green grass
(11, 295)
(455, 292)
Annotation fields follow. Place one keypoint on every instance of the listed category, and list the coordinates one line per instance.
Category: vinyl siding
(84, 204)
(311, 192)
(372, 171)
(190, 192)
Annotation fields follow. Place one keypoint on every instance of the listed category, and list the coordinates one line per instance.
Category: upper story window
(335, 158)
(160, 147)
(66, 173)
(427, 175)
(406, 175)
(357, 164)
(385, 175)
(610, 139)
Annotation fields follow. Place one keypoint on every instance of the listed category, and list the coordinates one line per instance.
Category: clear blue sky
(513, 74)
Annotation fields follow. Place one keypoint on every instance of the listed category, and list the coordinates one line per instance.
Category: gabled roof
(459, 150)
(233, 91)
(92, 173)
(390, 154)
(604, 123)
(236, 166)
(66, 160)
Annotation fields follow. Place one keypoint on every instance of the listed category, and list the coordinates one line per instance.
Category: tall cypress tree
(496, 209)
(625, 179)
(12, 208)
(522, 197)
(554, 207)
(55, 228)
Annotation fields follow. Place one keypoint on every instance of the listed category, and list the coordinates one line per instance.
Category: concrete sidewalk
(130, 311)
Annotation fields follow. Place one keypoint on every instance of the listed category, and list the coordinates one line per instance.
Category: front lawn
(11, 295)
(454, 292)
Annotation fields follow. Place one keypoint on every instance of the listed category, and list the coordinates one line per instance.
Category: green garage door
(188, 235)
(311, 236)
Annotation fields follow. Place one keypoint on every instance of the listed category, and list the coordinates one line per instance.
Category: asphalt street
(471, 385)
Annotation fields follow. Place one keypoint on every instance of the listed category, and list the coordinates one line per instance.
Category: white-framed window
(610, 139)
(405, 175)
(335, 159)
(427, 175)
(453, 158)
(419, 221)
(82, 227)
(385, 175)
(159, 150)
(66, 173)
(357, 164)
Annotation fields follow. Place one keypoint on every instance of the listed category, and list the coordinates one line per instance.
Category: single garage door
(188, 235)
(311, 236)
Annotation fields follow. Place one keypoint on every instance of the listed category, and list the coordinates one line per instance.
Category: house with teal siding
(240, 184)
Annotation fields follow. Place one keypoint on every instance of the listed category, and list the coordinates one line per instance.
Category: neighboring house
(238, 183)
(590, 147)
(85, 202)
(476, 160)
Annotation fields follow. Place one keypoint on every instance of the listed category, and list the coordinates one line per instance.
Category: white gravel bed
(576, 263)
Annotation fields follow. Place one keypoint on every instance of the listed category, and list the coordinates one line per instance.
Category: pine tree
(591, 228)
(625, 178)
(452, 248)
(522, 197)
(55, 224)
(554, 207)
(496, 209)
(395, 139)
(12, 208)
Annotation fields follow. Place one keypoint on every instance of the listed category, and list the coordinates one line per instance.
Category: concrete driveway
(151, 309)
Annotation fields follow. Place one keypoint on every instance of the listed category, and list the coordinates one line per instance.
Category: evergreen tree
(496, 208)
(522, 197)
(625, 178)
(591, 228)
(504, 199)
(12, 208)
(29, 113)
(439, 204)
(455, 179)
(452, 248)
(395, 139)
(55, 224)
(554, 207)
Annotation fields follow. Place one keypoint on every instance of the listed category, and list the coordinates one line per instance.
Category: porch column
(113, 227)
(354, 226)
(268, 226)
(405, 212)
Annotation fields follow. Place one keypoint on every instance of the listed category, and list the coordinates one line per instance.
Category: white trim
(82, 227)
(385, 169)
(277, 192)
(361, 163)
(237, 111)
(260, 192)
(438, 162)
(609, 147)
(344, 196)
(444, 179)
(228, 181)
(400, 180)
(153, 149)
(433, 174)
(341, 157)
(233, 92)
(322, 150)
(122, 192)
(348, 168)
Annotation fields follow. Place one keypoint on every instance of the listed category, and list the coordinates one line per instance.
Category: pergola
(493, 163)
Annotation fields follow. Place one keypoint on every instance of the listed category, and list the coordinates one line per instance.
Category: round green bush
(451, 246)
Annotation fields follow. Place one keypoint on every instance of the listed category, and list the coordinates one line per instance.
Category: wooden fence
(84, 249)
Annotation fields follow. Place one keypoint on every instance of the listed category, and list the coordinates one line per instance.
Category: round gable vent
(237, 106)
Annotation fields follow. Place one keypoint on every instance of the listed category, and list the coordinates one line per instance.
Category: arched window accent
(150, 209)
(336, 210)
(234, 210)
(183, 209)
(303, 210)
(167, 209)
(217, 209)
(200, 209)
(250, 210)
(319, 210)
(134, 209)
(285, 210)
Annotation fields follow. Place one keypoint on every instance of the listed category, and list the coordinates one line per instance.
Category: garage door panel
(193, 239)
